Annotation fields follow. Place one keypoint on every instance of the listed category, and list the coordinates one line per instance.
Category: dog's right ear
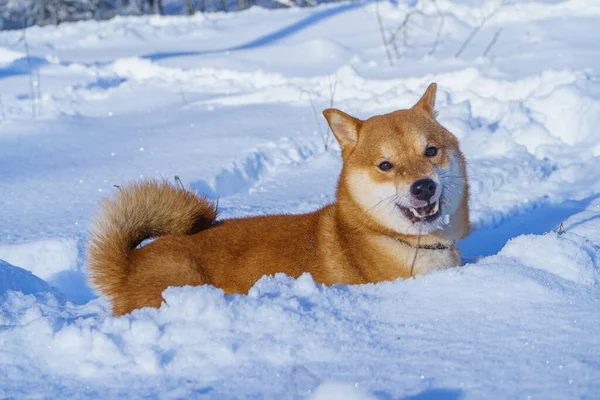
(344, 127)
(427, 102)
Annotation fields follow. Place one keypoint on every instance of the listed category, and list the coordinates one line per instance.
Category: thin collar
(436, 246)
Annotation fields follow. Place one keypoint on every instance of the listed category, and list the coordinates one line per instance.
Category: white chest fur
(427, 259)
(431, 260)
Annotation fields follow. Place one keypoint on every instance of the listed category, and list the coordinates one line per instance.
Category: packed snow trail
(113, 103)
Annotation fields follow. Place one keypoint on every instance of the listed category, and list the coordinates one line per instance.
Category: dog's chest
(402, 255)
(431, 260)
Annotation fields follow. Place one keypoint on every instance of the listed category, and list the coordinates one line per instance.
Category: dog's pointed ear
(344, 127)
(427, 102)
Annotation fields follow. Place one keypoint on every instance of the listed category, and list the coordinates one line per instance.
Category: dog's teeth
(435, 208)
(415, 213)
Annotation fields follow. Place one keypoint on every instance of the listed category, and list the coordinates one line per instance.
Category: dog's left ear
(344, 127)
(427, 102)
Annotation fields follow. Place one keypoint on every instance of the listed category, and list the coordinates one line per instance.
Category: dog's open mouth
(428, 213)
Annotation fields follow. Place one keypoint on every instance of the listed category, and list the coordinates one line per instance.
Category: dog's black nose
(423, 189)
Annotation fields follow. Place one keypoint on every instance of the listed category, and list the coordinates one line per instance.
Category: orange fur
(358, 239)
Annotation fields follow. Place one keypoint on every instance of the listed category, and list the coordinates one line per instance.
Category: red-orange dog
(403, 176)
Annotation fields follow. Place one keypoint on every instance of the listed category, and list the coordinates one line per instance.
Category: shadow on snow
(488, 241)
(268, 38)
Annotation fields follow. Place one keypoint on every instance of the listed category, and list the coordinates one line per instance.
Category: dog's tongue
(418, 204)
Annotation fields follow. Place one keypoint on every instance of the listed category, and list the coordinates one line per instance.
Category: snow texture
(224, 102)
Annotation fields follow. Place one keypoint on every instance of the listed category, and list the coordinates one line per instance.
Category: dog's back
(234, 254)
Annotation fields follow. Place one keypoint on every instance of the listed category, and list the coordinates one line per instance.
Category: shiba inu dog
(401, 203)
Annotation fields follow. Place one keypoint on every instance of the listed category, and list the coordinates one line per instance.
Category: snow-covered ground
(224, 102)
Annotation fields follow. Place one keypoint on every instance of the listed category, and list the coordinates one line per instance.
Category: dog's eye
(431, 151)
(385, 165)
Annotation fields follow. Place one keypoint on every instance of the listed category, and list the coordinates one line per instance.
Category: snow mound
(340, 391)
(17, 279)
(44, 258)
(584, 223)
(138, 68)
(7, 56)
(570, 114)
(322, 51)
(569, 256)
(252, 166)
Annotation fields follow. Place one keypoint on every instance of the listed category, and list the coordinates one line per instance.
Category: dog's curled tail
(140, 211)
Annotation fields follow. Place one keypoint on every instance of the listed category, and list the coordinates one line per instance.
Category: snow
(18, 279)
(8, 56)
(44, 257)
(224, 102)
(571, 257)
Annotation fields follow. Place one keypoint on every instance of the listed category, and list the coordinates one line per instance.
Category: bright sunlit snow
(224, 102)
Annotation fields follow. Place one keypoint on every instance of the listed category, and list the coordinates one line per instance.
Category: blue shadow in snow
(429, 394)
(544, 218)
(22, 66)
(73, 285)
(268, 38)
(106, 83)
(297, 26)
(437, 394)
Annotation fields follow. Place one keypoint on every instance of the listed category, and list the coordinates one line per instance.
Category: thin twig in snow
(316, 115)
(440, 27)
(390, 40)
(178, 181)
(382, 31)
(325, 136)
(37, 84)
(30, 71)
(332, 91)
(492, 42)
(402, 28)
(183, 98)
(483, 21)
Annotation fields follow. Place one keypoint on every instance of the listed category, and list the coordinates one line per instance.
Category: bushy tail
(140, 211)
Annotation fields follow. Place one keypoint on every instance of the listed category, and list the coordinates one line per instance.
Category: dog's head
(403, 169)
